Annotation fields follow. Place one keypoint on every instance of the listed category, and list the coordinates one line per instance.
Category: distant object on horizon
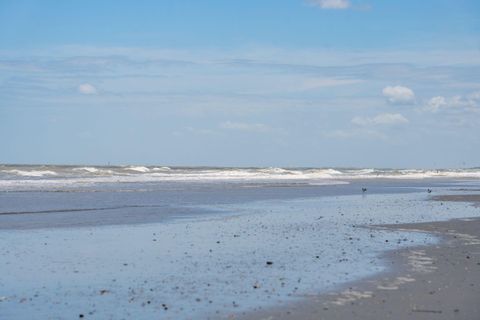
(364, 190)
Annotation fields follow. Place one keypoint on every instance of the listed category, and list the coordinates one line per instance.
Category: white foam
(278, 171)
(95, 171)
(32, 173)
(420, 174)
(323, 174)
(162, 169)
(138, 169)
(53, 176)
(88, 169)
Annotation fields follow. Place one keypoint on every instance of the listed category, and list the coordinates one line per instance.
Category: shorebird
(364, 190)
(429, 190)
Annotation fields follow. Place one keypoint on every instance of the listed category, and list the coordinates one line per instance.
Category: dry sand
(438, 282)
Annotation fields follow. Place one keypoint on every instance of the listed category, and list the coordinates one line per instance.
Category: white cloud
(399, 95)
(475, 96)
(241, 126)
(87, 88)
(471, 101)
(381, 119)
(466, 103)
(331, 4)
(435, 103)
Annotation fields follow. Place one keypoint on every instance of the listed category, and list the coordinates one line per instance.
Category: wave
(88, 169)
(138, 169)
(15, 177)
(93, 170)
(162, 169)
(32, 173)
(278, 171)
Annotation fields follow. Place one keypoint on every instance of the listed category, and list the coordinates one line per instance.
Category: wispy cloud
(331, 4)
(435, 103)
(189, 131)
(381, 119)
(470, 102)
(315, 83)
(243, 126)
(241, 82)
(356, 133)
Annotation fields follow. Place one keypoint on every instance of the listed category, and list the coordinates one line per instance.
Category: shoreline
(439, 281)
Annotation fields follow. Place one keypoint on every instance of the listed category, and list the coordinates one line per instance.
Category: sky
(291, 83)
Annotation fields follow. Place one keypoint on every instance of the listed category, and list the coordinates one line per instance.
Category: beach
(139, 245)
(434, 282)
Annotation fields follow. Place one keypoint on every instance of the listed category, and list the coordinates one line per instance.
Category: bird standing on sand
(429, 190)
(364, 190)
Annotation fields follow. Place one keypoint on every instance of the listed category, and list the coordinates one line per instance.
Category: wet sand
(473, 198)
(132, 205)
(217, 265)
(436, 282)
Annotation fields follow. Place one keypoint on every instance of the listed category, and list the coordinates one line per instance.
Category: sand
(436, 282)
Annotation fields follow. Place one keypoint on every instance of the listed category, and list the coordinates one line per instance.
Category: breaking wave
(138, 169)
(30, 173)
(20, 177)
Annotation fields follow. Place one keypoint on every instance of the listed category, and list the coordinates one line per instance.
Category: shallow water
(208, 265)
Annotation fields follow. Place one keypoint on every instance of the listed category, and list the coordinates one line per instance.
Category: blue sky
(241, 83)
